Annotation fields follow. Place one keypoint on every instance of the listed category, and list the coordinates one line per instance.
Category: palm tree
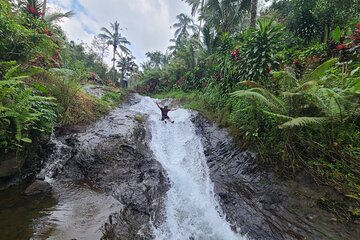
(126, 65)
(254, 4)
(225, 15)
(44, 8)
(157, 59)
(185, 23)
(116, 40)
(196, 6)
(209, 38)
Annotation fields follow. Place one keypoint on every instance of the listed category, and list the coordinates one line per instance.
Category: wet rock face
(252, 199)
(38, 187)
(113, 154)
(17, 167)
(10, 164)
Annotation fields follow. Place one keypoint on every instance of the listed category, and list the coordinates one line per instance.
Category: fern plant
(22, 112)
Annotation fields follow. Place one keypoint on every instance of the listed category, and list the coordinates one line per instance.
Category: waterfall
(192, 211)
(59, 156)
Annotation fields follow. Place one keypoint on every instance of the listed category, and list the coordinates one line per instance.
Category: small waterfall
(192, 211)
(59, 156)
(80, 211)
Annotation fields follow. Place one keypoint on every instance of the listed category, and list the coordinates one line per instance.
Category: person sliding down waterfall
(164, 112)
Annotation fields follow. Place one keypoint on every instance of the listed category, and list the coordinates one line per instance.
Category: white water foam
(192, 211)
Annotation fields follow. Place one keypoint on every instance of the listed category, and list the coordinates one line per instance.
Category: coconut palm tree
(209, 38)
(116, 40)
(254, 4)
(183, 26)
(196, 6)
(225, 15)
(126, 65)
(44, 7)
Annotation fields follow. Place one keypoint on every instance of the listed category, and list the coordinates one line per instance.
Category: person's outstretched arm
(158, 105)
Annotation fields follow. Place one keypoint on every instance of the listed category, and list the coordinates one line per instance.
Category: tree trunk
(254, 4)
(114, 76)
(44, 8)
(202, 7)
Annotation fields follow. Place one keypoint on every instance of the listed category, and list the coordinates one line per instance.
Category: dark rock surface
(20, 167)
(262, 206)
(38, 187)
(10, 164)
(114, 156)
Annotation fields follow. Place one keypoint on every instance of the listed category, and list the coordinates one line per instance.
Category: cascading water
(60, 154)
(192, 211)
(80, 211)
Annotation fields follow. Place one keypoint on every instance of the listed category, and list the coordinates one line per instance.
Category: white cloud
(146, 23)
(65, 4)
(74, 29)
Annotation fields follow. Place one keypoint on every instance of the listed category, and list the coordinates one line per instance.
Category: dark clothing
(165, 118)
(164, 115)
(125, 84)
(164, 112)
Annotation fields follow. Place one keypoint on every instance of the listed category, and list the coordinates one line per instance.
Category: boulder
(10, 164)
(38, 187)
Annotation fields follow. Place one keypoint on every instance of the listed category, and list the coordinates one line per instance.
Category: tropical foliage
(288, 87)
(22, 112)
(42, 74)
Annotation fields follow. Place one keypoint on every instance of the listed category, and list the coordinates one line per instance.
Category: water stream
(77, 210)
(74, 211)
(192, 212)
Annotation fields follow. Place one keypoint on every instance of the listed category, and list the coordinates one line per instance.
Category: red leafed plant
(356, 35)
(48, 32)
(342, 47)
(235, 54)
(32, 7)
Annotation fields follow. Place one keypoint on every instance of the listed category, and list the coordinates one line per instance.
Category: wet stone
(38, 187)
(265, 210)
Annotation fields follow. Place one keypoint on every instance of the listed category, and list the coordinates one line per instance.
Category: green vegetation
(42, 75)
(288, 88)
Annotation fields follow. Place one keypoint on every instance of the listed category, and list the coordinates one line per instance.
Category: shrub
(257, 56)
(22, 112)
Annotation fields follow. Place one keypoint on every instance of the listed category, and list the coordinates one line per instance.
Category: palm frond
(277, 115)
(11, 72)
(108, 34)
(302, 122)
(286, 79)
(125, 50)
(57, 16)
(307, 85)
(261, 95)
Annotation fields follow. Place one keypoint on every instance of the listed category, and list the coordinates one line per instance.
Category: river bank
(131, 163)
(265, 206)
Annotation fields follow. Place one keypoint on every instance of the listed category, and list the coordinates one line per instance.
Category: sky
(146, 23)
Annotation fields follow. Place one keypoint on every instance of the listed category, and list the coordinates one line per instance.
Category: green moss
(139, 118)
